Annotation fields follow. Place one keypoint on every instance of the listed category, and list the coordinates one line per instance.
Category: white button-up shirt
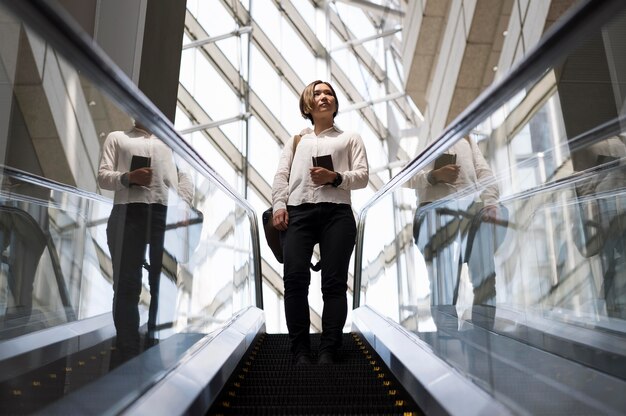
(292, 182)
(474, 174)
(117, 152)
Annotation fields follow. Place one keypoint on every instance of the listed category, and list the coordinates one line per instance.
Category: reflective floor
(40, 385)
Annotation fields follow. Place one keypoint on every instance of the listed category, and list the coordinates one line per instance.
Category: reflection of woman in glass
(140, 169)
(463, 168)
(468, 171)
(604, 215)
(312, 205)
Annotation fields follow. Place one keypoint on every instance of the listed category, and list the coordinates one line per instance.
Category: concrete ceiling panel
(106, 115)
(430, 36)
(36, 110)
(53, 160)
(419, 78)
(436, 8)
(426, 50)
(463, 97)
(481, 53)
(485, 21)
(474, 65)
(28, 73)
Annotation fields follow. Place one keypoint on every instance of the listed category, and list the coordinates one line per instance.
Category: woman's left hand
(490, 213)
(280, 219)
(322, 176)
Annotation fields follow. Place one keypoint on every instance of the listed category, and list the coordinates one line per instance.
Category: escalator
(87, 375)
(546, 347)
(267, 382)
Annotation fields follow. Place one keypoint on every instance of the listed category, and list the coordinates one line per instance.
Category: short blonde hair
(307, 99)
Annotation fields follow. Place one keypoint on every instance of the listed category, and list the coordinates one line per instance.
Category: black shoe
(304, 359)
(150, 342)
(326, 358)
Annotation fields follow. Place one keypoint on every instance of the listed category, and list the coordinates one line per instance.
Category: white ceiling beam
(368, 103)
(213, 124)
(361, 41)
(233, 78)
(200, 42)
(369, 63)
(374, 8)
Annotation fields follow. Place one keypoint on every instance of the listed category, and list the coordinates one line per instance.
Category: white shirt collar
(333, 127)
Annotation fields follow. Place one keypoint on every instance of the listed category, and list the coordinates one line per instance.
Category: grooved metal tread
(267, 382)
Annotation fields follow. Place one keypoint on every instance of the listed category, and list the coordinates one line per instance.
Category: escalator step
(267, 382)
(316, 410)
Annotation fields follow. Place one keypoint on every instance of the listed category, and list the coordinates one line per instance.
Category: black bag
(272, 235)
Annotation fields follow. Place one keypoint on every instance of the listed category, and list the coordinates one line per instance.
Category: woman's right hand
(142, 177)
(446, 174)
(280, 219)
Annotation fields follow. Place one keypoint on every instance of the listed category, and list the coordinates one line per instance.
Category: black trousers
(333, 227)
(131, 227)
(479, 241)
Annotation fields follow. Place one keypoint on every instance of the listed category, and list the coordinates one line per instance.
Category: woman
(311, 204)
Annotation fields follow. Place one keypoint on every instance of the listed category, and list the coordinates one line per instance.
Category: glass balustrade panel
(65, 207)
(522, 218)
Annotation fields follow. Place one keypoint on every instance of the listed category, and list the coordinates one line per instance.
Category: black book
(138, 162)
(325, 161)
(605, 159)
(445, 160)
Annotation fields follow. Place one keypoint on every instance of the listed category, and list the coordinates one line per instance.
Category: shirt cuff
(124, 179)
(430, 178)
(279, 205)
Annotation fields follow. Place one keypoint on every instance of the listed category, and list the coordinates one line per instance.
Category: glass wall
(244, 66)
(65, 148)
(519, 219)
